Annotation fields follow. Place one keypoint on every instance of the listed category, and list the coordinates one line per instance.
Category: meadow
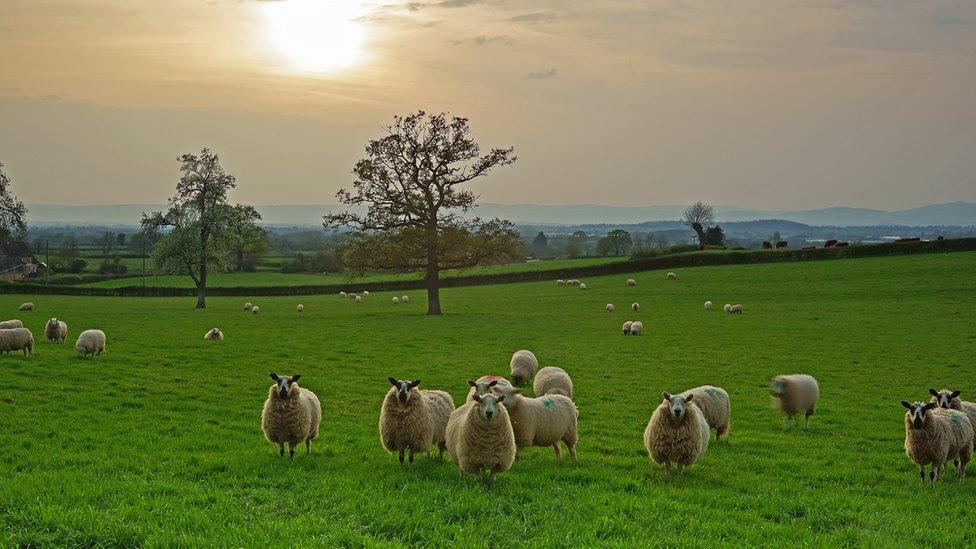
(159, 442)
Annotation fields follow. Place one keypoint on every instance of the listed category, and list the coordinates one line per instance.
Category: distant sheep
(90, 342)
(631, 282)
(214, 335)
(735, 309)
(715, 406)
(950, 400)
(342, 294)
(405, 299)
(55, 330)
(609, 307)
(936, 435)
(552, 381)
(365, 293)
(17, 339)
(358, 299)
(9, 324)
(627, 326)
(248, 306)
(256, 309)
(352, 296)
(677, 433)
(635, 307)
(582, 286)
(396, 300)
(480, 438)
(560, 282)
(412, 420)
(795, 393)
(708, 305)
(300, 307)
(27, 307)
(523, 366)
(672, 276)
(728, 308)
(291, 415)
(545, 420)
(637, 328)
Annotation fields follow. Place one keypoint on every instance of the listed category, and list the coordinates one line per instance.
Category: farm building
(17, 262)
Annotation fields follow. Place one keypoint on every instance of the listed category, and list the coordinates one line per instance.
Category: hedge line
(696, 259)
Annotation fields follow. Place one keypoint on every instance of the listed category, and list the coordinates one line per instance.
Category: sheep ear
(470, 382)
(689, 397)
(415, 383)
(933, 392)
(955, 394)
(393, 381)
(295, 377)
(476, 397)
(493, 383)
(275, 377)
(501, 398)
(929, 405)
(906, 404)
(666, 396)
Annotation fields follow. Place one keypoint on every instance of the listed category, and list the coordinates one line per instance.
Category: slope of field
(159, 441)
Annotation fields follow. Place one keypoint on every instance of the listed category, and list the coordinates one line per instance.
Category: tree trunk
(202, 287)
(699, 230)
(433, 290)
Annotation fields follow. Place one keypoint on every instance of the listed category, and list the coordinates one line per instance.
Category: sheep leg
(411, 455)
(934, 473)
(308, 447)
(491, 477)
(667, 468)
(921, 473)
(559, 451)
(441, 446)
(281, 449)
(806, 419)
(572, 452)
(401, 457)
(721, 431)
(291, 449)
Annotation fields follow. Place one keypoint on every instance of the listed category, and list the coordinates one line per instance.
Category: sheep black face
(488, 406)
(403, 389)
(917, 411)
(679, 404)
(285, 384)
(944, 398)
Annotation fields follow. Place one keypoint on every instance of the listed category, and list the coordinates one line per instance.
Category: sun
(317, 35)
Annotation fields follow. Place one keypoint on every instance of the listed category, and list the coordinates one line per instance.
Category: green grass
(266, 278)
(159, 441)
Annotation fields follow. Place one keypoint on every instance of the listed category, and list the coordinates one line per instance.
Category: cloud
(458, 3)
(536, 17)
(481, 40)
(542, 74)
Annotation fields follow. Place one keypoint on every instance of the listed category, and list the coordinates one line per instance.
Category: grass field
(159, 441)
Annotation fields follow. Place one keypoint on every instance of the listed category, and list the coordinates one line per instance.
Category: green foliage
(320, 262)
(13, 213)
(113, 266)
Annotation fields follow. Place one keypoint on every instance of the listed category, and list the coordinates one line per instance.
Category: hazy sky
(786, 104)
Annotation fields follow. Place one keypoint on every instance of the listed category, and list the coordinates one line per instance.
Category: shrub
(113, 266)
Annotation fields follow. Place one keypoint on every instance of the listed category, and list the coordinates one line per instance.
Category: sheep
(352, 296)
(523, 366)
(627, 326)
(358, 299)
(672, 276)
(582, 286)
(631, 282)
(248, 306)
(214, 334)
(256, 309)
(27, 307)
(635, 307)
(484, 384)
(950, 399)
(291, 414)
(90, 342)
(935, 435)
(714, 405)
(300, 307)
(676, 433)
(637, 328)
(727, 307)
(480, 438)
(405, 299)
(552, 381)
(609, 307)
(396, 300)
(342, 294)
(365, 293)
(542, 421)
(8, 324)
(708, 305)
(413, 419)
(735, 309)
(55, 330)
(17, 339)
(793, 394)
(573, 282)
(560, 282)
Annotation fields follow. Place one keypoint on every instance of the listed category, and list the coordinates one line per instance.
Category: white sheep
(342, 294)
(27, 307)
(582, 286)
(405, 299)
(672, 276)
(609, 307)
(291, 415)
(413, 420)
(248, 306)
(542, 421)
(55, 330)
(480, 437)
(300, 308)
(213, 335)
(9, 324)
(627, 326)
(256, 309)
(631, 282)
(795, 393)
(17, 339)
(396, 300)
(90, 342)
(484, 384)
(950, 399)
(635, 307)
(728, 307)
(552, 381)
(715, 406)
(677, 433)
(523, 366)
(365, 293)
(936, 435)
(708, 305)
(637, 328)
(735, 309)
(352, 296)
(358, 299)
(560, 282)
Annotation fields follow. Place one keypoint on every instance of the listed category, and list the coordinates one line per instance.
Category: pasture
(159, 441)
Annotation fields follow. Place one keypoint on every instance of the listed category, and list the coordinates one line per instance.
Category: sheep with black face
(950, 400)
(291, 414)
(936, 435)
(412, 420)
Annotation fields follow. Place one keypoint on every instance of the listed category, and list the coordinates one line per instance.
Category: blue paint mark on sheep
(549, 402)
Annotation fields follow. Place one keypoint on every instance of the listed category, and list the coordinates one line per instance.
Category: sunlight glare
(317, 35)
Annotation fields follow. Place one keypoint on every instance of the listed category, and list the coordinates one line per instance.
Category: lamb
(27, 307)
(635, 307)
(708, 305)
(300, 307)
(291, 415)
(17, 339)
(8, 324)
(637, 328)
(214, 334)
(552, 381)
(582, 286)
(248, 306)
(55, 330)
(714, 405)
(484, 384)
(413, 419)
(631, 282)
(950, 399)
(479, 437)
(396, 300)
(727, 307)
(609, 307)
(627, 326)
(90, 342)
(542, 421)
(523, 366)
(672, 276)
(256, 309)
(735, 309)
(405, 299)
(794, 394)
(935, 435)
(560, 282)
(677, 433)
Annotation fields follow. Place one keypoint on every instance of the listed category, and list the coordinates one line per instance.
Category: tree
(714, 236)
(539, 244)
(409, 182)
(198, 220)
(13, 213)
(107, 241)
(698, 216)
(617, 242)
(120, 240)
(249, 240)
(776, 237)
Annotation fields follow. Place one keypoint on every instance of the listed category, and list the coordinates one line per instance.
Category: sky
(790, 104)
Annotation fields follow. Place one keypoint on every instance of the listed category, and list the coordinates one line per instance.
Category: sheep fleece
(552, 380)
(419, 424)
(294, 420)
(476, 445)
(682, 442)
(543, 421)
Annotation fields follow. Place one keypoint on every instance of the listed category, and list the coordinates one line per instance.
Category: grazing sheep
(728, 307)
(523, 366)
(637, 328)
(90, 342)
(735, 309)
(936, 435)
(950, 399)
(672, 276)
(609, 307)
(573, 282)
(413, 419)
(627, 326)
(396, 300)
(480, 437)
(55, 330)
(27, 307)
(358, 299)
(714, 405)
(677, 433)
(635, 307)
(17, 339)
(631, 282)
(560, 282)
(708, 305)
(552, 381)
(365, 293)
(248, 306)
(213, 335)
(352, 296)
(291, 415)
(794, 394)
(256, 309)
(300, 307)
(484, 384)
(405, 299)
(342, 294)
(8, 324)
(542, 421)
(582, 286)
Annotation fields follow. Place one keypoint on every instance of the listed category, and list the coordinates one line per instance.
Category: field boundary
(694, 259)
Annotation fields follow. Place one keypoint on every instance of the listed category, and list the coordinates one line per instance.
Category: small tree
(13, 213)
(714, 236)
(574, 246)
(539, 244)
(120, 240)
(698, 216)
(617, 242)
(248, 239)
(409, 183)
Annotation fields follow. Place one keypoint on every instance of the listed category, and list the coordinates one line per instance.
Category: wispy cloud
(482, 40)
(458, 3)
(542, 74)
(536, 17)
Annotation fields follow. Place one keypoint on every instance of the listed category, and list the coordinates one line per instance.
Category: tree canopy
(13, 213)
(698, 216)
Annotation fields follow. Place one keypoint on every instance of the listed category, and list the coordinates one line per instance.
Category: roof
(17, 248)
